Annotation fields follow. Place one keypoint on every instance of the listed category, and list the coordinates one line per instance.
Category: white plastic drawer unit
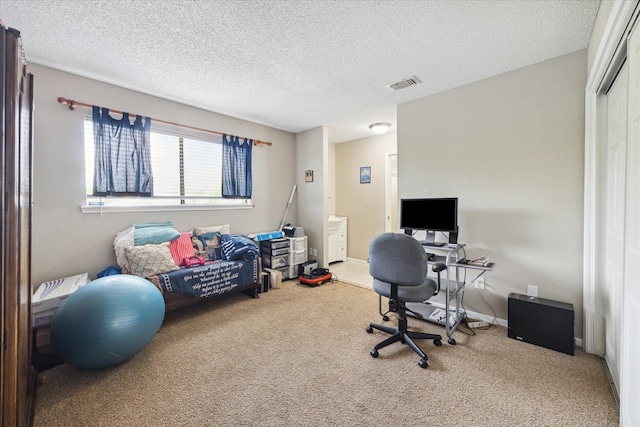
(278, 261)
(298, 243)
(298, 257)
(297, 250)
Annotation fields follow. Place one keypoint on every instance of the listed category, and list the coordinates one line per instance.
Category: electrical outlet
(315, 252)
(479, 283)
(532, 291)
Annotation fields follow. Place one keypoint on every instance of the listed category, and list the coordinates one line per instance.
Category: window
(186, 166)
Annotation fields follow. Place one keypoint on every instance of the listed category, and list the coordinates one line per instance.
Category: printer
(293, 231)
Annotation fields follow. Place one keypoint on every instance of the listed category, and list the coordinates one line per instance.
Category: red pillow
(181, 248)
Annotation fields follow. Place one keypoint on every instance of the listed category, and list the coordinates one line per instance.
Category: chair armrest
(437, 268)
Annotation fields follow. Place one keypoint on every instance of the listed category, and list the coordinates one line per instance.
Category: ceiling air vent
(410, 81)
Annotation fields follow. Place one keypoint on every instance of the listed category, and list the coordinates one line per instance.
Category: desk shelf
(487, 267)
(435, 314)
(454, 288)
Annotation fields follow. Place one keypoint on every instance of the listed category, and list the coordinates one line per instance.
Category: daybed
(157, 252)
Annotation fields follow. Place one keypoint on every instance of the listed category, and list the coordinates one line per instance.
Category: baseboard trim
(479, 316)
(490, 319)
(616, 397)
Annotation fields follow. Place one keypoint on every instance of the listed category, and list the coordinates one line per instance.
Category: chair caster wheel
(369, 329)
(385, 318)
(438, 343)
(423, 363)
(374, 353)
(452, 341)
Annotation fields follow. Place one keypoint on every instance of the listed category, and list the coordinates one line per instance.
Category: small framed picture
(365, 175)
(308, 176)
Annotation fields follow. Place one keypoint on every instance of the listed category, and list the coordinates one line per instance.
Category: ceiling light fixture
(380, 128)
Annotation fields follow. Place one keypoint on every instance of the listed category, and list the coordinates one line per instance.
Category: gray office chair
(398, 264)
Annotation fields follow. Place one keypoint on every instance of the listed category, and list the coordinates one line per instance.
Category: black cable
(465, 321)
(465, 324)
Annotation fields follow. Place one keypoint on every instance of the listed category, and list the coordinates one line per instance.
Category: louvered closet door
(16, 105)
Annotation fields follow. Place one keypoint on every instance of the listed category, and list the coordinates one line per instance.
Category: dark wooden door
(16, 115)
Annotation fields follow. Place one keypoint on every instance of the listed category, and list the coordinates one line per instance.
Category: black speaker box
(541, 322)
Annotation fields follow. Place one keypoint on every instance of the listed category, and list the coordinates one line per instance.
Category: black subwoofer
(541, 322)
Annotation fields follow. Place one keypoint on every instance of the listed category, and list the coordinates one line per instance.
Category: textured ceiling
(297, 65)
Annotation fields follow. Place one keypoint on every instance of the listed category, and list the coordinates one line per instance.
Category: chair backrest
(397, 258)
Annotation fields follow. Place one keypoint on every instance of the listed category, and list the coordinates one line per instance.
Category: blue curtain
(236, 167)
(122, 155)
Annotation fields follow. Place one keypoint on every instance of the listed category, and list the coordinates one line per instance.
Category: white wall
(67, 242)
(312, 153)
(511, 148)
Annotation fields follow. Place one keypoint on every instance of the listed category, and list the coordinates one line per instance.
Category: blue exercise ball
(107, 321)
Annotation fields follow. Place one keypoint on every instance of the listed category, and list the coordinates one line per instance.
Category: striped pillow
(181, 248)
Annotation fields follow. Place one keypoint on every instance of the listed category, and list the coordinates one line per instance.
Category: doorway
(391, 192)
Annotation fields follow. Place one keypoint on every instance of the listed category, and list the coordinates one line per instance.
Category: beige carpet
(299, 356)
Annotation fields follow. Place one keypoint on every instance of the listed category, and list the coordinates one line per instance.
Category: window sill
(86, 209)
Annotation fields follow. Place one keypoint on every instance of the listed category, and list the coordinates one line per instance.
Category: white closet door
(630, 357)
(614, 219)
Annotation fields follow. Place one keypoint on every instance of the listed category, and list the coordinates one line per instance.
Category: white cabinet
(337, 239)
(332, 244)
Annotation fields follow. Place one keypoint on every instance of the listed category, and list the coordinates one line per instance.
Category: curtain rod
(73, 104)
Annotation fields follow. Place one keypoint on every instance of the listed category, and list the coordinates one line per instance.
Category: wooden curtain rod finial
(257, 142)
(70, 102)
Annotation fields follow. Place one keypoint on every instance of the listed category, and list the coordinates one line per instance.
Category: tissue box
(50, 295)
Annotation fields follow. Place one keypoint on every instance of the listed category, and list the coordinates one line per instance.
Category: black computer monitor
(431, 215)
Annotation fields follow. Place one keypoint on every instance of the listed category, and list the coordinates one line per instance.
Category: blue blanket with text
(212, 279)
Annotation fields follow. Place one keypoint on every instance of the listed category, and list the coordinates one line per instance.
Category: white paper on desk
(439, 315)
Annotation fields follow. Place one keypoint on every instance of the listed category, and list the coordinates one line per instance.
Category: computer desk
(449, 254)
